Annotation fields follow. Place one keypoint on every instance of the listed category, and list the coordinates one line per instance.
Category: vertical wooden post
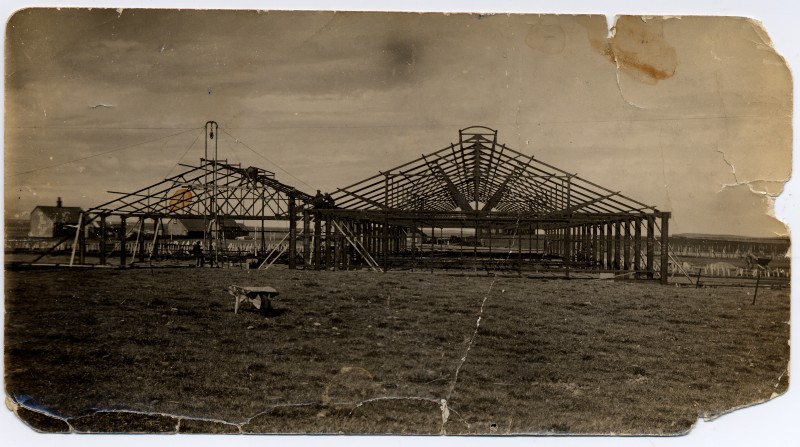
(337, 244)
(339, 257)
(343, 242)
(755, 293)
(651, 238)
(626, 247)
(413, 244)
(435, 239)
(263, 226)
(353, 253)
(328, 240)
(292, 231)
(317, 241)
(140, 250)
(530, 240)
(306, 239)
(585, 244)
(567, 248)
(156, 228)
(374, 242)
(401, 239)
(555, 240)
(664, 245)
(601, 243)
(103, 239)
(617, 245)
(609, 245)
(595, 240)
(347, 248)
(376, 239)
(637, 245)
(545, 241)
(490, 242)
(82, 239)
(461, 245)
(475, 245)
(368, 237)
(123, 249)
(385, 241)
(519, 250)
(360, 237)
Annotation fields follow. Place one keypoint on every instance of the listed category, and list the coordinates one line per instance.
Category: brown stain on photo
(638, 47)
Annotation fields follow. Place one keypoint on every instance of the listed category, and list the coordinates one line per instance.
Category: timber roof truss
(480, 176)
(212, 188)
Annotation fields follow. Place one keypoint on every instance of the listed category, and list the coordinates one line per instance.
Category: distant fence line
(236, 247)
(726, 249)
(165, 247)
(725, 269)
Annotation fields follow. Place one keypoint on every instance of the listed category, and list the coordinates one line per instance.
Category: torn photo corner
(505, 224)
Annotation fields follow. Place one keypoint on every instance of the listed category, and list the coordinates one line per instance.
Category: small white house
(54, 221)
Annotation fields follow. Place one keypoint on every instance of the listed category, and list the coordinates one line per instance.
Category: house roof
(232, 224)
(198, 224)
(61, 214)
(192, 224)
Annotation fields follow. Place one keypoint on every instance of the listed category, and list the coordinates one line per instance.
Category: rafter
(479, 170)
(236, 192)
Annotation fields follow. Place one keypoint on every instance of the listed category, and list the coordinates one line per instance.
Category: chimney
(58, 202)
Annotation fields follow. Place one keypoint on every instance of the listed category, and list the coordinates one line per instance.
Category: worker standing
(197, 252)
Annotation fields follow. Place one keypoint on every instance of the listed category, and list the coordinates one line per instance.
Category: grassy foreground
(359, 352)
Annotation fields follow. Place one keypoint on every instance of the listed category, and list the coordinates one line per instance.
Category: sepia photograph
(239, 221)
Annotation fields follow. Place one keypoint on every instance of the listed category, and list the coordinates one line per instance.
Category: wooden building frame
(212, 191)
(548, 219)
(510, 211)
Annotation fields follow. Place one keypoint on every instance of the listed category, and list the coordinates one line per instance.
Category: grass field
(355, 352)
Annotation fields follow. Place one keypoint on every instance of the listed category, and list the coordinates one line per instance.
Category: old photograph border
(739, 427)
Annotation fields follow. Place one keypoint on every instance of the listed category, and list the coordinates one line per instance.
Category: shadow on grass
(267, 313)
(274, 313)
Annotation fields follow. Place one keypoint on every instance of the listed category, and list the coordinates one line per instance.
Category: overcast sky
(673, 113)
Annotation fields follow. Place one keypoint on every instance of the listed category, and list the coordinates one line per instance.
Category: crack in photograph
(318, 222)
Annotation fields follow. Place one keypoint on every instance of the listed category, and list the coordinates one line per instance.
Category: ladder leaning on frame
(275, 252)
(359, 248)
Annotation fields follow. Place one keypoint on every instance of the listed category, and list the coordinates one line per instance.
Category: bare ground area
(161, 350)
